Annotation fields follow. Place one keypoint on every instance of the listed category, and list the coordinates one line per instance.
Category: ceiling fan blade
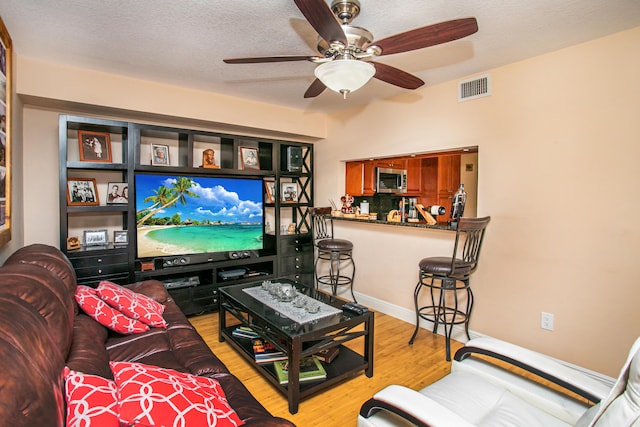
(396, 77)
(430, 35)
(260, 59)
(316, 88)
(319, 15)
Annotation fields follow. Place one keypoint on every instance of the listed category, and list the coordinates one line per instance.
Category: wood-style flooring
(395, 362)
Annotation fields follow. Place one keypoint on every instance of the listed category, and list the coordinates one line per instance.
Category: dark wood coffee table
(298, 340)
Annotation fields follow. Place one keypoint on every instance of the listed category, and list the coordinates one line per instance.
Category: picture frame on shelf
(117, 193)
(120, 238)
(249, 158)
(82, 192)
(159, 155)
(209, 159)
(94, 146)
(95, 238)
(289, 192)
(270, 189)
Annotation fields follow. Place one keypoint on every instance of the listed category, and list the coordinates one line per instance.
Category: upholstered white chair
(480, 393)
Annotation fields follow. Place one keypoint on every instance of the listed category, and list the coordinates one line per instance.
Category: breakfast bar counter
(421, 224)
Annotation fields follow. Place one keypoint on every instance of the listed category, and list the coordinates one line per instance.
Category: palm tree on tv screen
(166, 197)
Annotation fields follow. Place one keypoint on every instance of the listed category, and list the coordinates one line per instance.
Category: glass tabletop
(275, 318)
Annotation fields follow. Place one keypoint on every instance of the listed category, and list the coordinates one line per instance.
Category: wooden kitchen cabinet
(414, 176)
(393, 163)
(448, 179)
(433, 178)
(354, 174)
(360, 178)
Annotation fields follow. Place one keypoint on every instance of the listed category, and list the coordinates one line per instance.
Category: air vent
(476, 87)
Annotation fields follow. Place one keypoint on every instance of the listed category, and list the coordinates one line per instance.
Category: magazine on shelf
(266, 352)
(244, 332)
(310, 370)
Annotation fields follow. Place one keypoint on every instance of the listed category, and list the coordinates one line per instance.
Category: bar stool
(446, 277)
(337, 251)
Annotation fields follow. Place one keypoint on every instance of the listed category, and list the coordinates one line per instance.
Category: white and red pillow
(106, 315)
(132, 304)
(148, 395)
(92, 401)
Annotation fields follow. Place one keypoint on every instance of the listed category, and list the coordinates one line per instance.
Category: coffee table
(240, 306)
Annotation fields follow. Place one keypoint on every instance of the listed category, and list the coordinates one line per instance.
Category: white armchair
(480, 393)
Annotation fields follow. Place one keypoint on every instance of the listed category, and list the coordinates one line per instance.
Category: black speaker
(294, 159)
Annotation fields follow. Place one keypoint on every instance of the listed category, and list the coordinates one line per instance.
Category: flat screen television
(190, 214)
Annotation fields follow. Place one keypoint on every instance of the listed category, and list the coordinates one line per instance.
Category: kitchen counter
(421, 224)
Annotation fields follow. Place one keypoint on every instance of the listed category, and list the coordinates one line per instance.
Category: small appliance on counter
(412, 215)
(457, 205)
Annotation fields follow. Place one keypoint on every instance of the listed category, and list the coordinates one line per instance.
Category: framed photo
(117, 193)
(120, 237)
(159, 155)
(73, 243)
(289, 192)
(95, 238)
(249, 158)
(94, 146)
(82, 192)
(270, 189)
(209, 159)
(6, 114)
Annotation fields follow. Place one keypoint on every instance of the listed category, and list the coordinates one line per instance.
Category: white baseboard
(409, 316)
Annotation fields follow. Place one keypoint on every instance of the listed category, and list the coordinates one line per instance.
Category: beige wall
(558, 152)
(558, 141)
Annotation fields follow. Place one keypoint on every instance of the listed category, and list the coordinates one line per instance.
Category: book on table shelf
(310, 370)
(244, 332)
(266, 352)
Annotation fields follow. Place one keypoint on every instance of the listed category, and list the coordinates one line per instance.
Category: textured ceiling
(183, 42)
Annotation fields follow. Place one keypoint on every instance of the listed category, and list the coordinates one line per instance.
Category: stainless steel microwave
(391, 180)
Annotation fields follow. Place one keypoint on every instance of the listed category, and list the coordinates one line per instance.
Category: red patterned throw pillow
(106, 315)
(91, 400)
(149, 395)
(132, 304)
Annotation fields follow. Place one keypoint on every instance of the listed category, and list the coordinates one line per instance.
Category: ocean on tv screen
(179, 215)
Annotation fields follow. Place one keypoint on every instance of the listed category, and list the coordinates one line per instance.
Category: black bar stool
(446, 277)
(338, 252)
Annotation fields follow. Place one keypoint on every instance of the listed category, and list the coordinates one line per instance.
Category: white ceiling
(183, 42)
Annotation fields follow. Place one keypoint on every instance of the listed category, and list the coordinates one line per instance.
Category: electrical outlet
(546, 321)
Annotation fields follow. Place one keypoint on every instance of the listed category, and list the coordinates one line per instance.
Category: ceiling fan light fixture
(345, 75)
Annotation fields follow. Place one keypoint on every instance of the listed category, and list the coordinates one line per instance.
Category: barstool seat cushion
(441, 266)
(334, 245)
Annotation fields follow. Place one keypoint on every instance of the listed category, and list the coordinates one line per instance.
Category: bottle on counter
(457, 206)
(436, 210)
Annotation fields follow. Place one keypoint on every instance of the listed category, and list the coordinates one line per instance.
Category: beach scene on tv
(178, 215)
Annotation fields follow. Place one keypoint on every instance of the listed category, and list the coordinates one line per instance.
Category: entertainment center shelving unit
(192, 281)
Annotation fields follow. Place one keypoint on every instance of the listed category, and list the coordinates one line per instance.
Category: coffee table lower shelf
(347, 364)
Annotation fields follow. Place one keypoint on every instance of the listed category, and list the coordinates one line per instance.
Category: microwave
(391, 180)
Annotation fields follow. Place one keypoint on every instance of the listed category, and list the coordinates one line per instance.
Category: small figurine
(347, 204)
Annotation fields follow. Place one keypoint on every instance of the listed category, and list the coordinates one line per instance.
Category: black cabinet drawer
(91, 268)
(301, 263)
(305, 279)
(98, 260)
(93, 281)
(196, 300)
(296, 244)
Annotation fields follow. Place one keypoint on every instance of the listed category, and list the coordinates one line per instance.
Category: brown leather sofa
(42, 330)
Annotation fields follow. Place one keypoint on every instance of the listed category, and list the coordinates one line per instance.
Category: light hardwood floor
(395, 362)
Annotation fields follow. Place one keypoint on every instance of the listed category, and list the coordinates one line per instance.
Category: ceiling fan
(346, 51)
